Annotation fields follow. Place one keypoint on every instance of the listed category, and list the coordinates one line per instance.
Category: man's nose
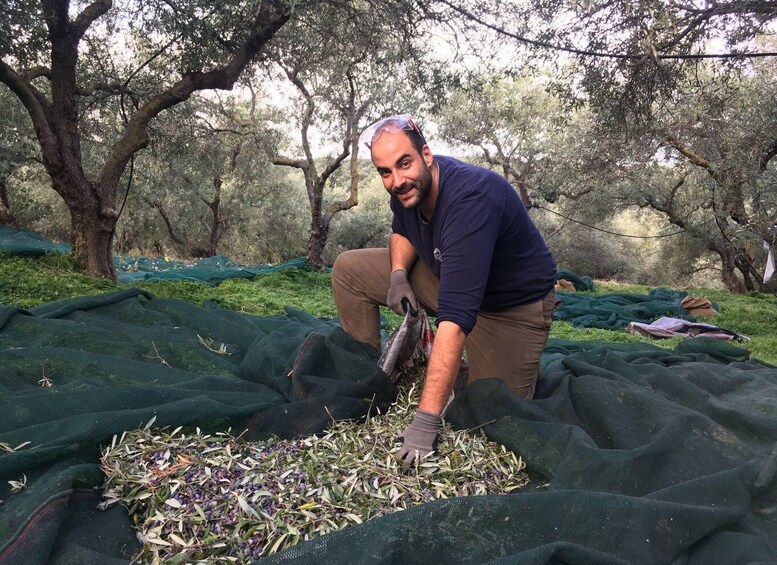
(398, 180)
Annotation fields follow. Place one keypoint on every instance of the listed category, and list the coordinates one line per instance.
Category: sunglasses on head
(392, 124)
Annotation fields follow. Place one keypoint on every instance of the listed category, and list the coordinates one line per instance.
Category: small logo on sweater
(438, 254)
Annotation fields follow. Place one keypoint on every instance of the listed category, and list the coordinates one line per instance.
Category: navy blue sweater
(480, 242)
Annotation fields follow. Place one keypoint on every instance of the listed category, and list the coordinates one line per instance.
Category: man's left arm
(420, 438)
(442, 368)
(467, 247)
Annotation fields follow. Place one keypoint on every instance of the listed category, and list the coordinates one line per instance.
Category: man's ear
(427, 155)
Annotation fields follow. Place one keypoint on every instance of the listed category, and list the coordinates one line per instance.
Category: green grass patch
(753, 315)
(29, 281)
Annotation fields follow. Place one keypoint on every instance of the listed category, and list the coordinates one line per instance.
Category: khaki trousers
(505, 345)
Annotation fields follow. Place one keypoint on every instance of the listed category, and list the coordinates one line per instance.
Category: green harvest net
(580, 283)
(210, 270)
(615, 311)
(638, 454)
(19, 241)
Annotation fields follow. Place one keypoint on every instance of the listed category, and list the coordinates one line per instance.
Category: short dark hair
(416, 138)
(393, 124)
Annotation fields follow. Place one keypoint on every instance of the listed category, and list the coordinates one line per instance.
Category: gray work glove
(419, 439)
(399, 292)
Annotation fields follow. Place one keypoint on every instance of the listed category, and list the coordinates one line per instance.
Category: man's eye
(405, 164)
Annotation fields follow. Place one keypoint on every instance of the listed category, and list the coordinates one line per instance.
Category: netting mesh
(638, 454)
(209, 270)
(19, 241)
(615, 311)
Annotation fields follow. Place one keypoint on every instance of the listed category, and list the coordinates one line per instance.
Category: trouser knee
(344, 264)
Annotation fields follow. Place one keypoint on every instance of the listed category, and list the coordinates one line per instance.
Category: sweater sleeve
(470, 231)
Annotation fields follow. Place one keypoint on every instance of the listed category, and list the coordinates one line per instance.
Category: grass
(28, 282)
(753, 314)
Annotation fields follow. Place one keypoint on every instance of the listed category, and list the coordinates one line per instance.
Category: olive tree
(59, 56)
(344, 73)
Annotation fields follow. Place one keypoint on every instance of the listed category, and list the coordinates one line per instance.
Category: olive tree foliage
(512, 122)
(715, 169)
(194, 182)
(63, 60)
(344, 71)
(703, 175)
(656, 93)
(705, 167)
(623, 57)
(17, 151)
(689, 139)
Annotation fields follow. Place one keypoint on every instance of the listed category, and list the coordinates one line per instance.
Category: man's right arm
(402, 252)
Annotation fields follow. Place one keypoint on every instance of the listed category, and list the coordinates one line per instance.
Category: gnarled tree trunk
(57, 119)
(92, 236)
(319, 233)
(728, 268)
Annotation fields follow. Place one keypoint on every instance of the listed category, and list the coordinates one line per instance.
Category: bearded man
(485, 272)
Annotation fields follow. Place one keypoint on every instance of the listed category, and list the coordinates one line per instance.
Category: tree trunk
(319, 233)
(91, 236)
(93, 219)
(218, 223)
(57, 119)
(127, 240)
(6, 216)
(744, 268)
(728, 268)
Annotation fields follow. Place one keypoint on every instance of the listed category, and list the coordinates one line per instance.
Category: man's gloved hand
(399, 291)
(419, 439)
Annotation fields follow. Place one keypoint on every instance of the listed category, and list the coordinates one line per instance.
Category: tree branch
(271, 17)
(38, 107)
(116, 88)
(89, 15)
(170, 229)
(287, 162)
(767, 155)
(35, 72)
(350, 146)
(694, 157)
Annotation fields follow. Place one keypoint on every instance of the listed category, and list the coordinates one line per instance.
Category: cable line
(603, 54)
(608, 231)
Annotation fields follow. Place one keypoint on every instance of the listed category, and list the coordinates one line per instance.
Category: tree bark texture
(92, 202)
(319, 233)
(728, 267)
(6, 216)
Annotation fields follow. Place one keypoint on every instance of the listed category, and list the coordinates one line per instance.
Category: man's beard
(423, 185)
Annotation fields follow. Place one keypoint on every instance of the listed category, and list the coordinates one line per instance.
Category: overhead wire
(608, 231)
(602, 54)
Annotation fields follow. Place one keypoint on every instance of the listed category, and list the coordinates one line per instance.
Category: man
(485, 272)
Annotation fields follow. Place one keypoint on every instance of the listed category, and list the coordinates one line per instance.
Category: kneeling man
(484, 271)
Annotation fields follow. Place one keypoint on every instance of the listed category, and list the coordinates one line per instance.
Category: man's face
(405, 172)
